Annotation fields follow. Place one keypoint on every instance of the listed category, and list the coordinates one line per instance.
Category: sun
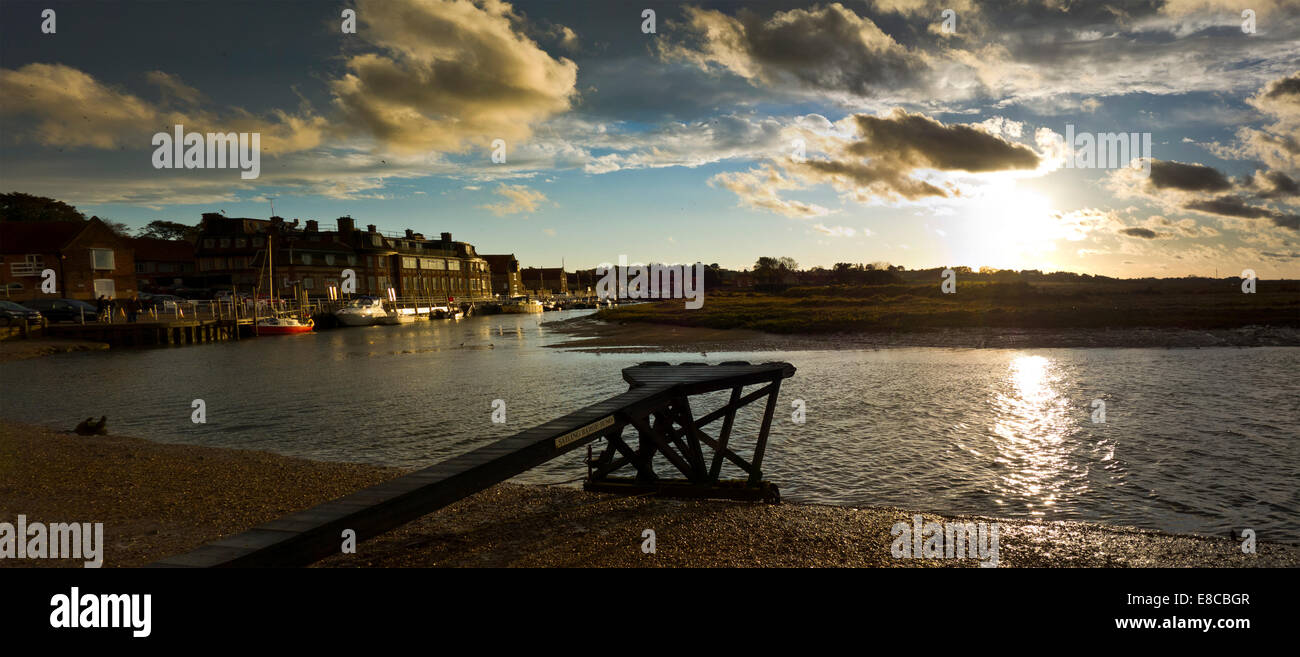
(1012, 229)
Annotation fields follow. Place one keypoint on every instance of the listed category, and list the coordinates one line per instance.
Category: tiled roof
(37, 236)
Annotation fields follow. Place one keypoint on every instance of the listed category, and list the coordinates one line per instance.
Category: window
(164, 267)
(209, 243)
(139, 268)
(257, 241)
(306, 258)
(102, 259)
(376, 240)
(370, 280)
(308, 283)
(329, 258)
(352, 260)
(225, 242)
(240, 242)
(453, 265)
(105, 287)
(408, 263)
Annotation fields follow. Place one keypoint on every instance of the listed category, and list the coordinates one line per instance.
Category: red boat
(281, 326)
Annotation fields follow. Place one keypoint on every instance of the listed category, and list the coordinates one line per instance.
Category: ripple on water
(1193, 440)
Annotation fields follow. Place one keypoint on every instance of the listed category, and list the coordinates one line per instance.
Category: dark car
(14, 314)
(63, 310)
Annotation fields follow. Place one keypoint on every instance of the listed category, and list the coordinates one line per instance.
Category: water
(1195, 440)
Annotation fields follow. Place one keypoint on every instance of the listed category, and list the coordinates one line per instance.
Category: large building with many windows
(232, 253)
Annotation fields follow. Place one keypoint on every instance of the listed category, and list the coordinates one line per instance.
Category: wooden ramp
(654, 405)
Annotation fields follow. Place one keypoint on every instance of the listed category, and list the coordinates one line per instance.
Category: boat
(282, 326)
(395, 317)
(522, 305)
(280, 322)
(362, 311)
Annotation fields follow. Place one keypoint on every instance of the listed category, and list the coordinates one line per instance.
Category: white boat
(362, 311)
(395, 317)
(520, 305)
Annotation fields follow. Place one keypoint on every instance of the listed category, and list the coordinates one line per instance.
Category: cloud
(885, 157)
(759, 189)
(1277, 144)
(1234, 206)
(1187, 177)
(70, 108)
(1144, 233)
(518, 198)
(449, 74)
(822, 48)
(174, 89)
(835, 231)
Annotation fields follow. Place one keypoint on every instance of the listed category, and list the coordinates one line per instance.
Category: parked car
(12, 313)
(163, 303)
(63, 310)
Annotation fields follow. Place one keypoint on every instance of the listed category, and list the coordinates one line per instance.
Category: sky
(913, 132)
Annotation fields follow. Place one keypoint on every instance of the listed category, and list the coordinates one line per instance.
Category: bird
(88, 426)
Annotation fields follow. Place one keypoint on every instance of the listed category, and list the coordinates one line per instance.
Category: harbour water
(1194, 440)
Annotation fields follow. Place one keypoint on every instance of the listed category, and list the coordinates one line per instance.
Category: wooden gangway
(656, 405)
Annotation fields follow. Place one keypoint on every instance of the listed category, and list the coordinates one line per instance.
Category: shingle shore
(159, 499)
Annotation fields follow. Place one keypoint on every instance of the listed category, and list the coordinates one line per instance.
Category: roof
(546, 271)
(152, 248)
(499, 262)
(37, 236)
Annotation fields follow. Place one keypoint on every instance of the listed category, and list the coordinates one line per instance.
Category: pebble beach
(157, 500)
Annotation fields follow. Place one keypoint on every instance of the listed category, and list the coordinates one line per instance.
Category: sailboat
(277, 324)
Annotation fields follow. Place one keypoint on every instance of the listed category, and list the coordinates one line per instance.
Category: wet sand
(591, 335)
(157, 500)
(20, 349)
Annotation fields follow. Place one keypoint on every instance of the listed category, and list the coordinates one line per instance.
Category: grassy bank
(1172, 303)
(157, 500)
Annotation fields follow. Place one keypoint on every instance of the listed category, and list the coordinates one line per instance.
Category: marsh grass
(1156, 303)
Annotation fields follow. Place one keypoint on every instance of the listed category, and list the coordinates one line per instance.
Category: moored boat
(282, 326)
(362, 311)
(521, 305)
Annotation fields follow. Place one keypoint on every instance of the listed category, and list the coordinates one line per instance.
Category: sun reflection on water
(1031, 432)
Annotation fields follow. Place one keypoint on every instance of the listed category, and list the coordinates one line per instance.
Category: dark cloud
(1144, 233)
(822, 48)
(1188, 177)
(1274, 184)
(919, 141)
(1233, 206)
(1287, 88)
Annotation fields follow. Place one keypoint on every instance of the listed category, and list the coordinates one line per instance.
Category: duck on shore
(89, 427)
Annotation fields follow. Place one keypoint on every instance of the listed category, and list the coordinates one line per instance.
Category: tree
(17, 206)
(118, 228)
(169, 230)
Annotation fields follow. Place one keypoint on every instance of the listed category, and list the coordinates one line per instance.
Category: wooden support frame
(670, 428)
(656, 405)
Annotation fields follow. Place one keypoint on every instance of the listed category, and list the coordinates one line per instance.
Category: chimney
(370, 228)
(446, 237)
(410, 234)
(347, 225)
(312, 225)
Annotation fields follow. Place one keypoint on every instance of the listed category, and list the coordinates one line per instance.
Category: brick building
(545, 281)
(163, 263)
(231, 254)
(505, 275)
(88, 260)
